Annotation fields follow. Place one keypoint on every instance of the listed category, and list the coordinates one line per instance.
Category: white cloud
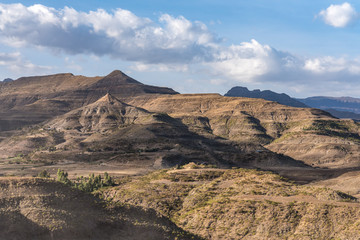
(243, 62)
(16, 64)
(7, 58)
(170, 44)
(159, 67)
(330, 64)
(119, 34)
(339, 15)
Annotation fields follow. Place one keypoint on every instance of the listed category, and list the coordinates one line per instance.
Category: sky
(302, 48)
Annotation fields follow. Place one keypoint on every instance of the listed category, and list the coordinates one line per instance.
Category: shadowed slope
(44, 209)
(110, 130)
(306, 134)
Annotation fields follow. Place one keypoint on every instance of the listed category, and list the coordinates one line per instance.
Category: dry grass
(241, 203)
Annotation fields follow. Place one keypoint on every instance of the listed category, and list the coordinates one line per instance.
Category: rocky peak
(108, 98)
(119, 77)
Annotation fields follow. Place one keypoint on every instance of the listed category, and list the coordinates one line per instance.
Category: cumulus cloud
(339, 15)
(330, 64)
(170, 44)
(120, 33)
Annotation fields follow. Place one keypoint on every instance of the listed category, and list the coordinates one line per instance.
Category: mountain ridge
(281, 98)
(31, 100)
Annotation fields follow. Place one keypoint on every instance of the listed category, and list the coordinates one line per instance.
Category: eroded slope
(305, 134)
(242, 204)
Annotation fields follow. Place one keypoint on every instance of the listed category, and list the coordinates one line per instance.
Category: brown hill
(305, 134)
(105, 114)
(30, 100)
(33, 208)
(242, 204)
(209, 127)
(112, 131)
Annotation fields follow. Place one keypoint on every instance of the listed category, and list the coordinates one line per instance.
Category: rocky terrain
(30, 100)
(242, 204)
(116, 124)
(34, 208)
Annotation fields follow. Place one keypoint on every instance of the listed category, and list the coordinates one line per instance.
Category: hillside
(242, 204)
(111, 131)
(33, 208)
(31, 100)
(340, 107)
(305, 134)
(159, 130)
(176, 155)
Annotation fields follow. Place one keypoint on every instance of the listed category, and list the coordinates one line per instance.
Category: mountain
(31, 100)
(111, 129)
(310, 135)
(209, 128)
(181, 161)
(341, 107)
(343, 114)
(6, 80)
(105, 114)
(281, 98)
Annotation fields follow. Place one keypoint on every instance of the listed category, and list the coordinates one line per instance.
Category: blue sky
(303, 48)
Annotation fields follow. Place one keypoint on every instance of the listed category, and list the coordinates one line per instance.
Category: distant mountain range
(281, 98)
(340, 107)
(7, 80)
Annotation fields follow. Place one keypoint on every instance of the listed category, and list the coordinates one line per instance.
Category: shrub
(62, 176)
(43, 174)
(89, 184)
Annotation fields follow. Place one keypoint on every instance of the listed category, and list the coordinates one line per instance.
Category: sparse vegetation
(238, 203)
(43, 174)
(62, 177)
(88, 184)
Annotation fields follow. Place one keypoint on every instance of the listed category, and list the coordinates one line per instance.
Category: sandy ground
(74, 169)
